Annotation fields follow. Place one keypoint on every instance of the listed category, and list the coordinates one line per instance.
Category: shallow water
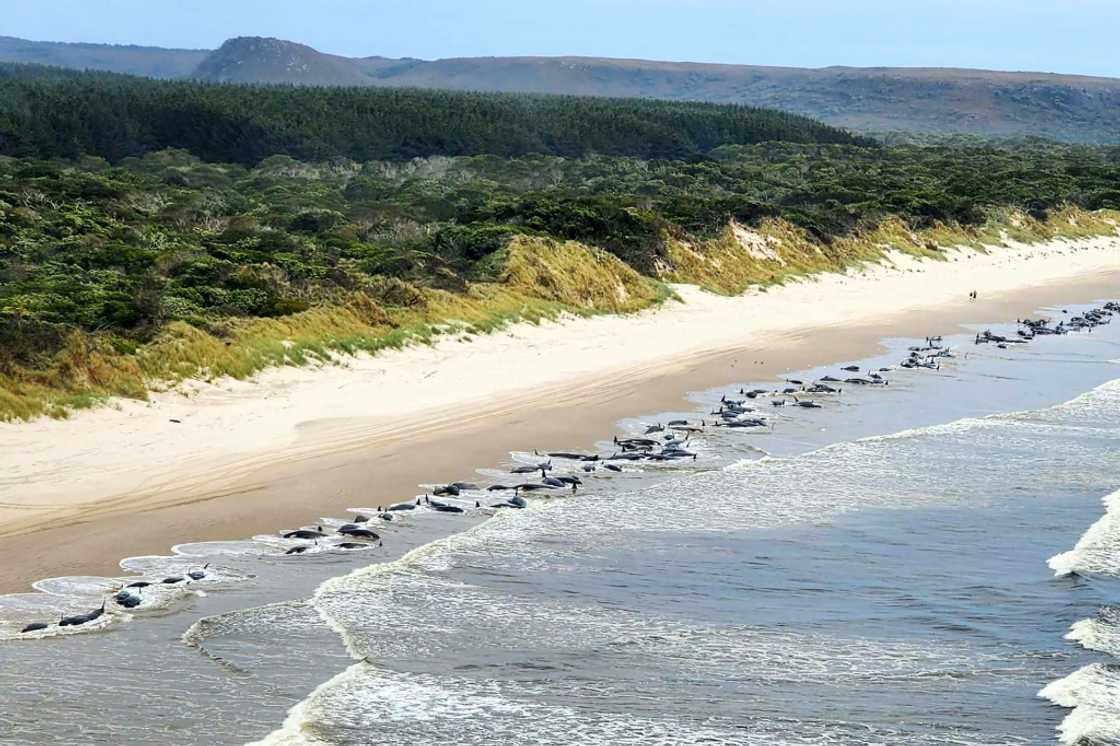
(900, 566)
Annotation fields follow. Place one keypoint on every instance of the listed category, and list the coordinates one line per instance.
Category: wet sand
(342, 463)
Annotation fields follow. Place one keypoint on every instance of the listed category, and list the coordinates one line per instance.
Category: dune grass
(539, 279)
(532, 279)
(776, 251)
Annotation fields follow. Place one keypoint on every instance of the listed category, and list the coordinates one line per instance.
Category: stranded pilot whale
(306, 533)
(79, 619)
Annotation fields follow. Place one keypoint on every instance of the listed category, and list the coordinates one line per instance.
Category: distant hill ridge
(152, 62)
(1073, 108)
(263, 60)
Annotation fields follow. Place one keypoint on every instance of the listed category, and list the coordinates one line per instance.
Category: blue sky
(1074, 36)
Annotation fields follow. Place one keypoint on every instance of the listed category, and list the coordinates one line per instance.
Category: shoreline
(332, 438)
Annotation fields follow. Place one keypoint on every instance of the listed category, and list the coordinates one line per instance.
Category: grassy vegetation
(776, 251)
(575, 276)
(89, 368)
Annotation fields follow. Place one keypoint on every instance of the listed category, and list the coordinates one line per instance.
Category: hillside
(935, 100)
(52, 113)
(980, 102)
(923, 100)
(152, 62)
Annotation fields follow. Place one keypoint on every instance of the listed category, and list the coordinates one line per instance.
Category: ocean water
(929, 562)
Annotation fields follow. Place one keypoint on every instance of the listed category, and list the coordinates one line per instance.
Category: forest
(124, 261)
(54, 113)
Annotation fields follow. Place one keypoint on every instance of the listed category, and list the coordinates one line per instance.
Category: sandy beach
(230, 459)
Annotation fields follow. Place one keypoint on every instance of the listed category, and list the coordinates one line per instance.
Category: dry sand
(295, 443)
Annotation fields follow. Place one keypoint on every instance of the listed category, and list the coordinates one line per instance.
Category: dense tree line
(51, 113)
